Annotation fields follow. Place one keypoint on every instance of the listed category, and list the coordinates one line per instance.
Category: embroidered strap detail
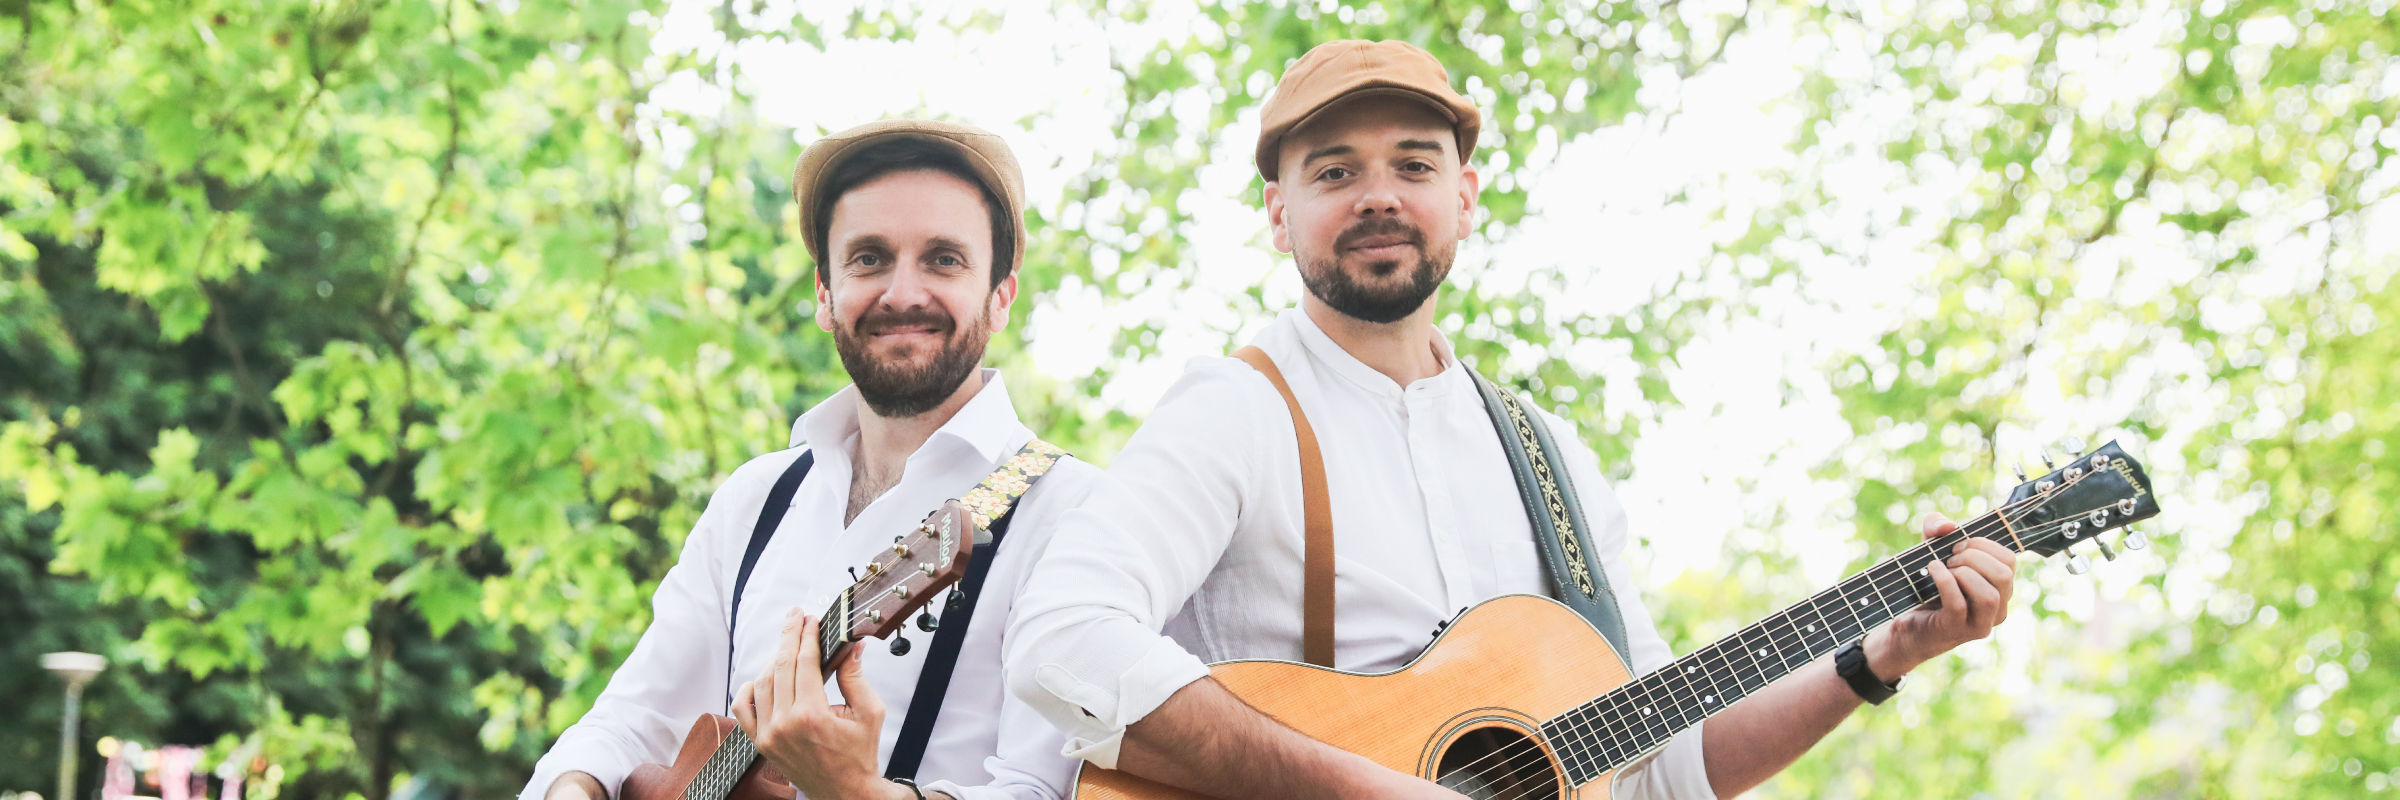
(1554, 512)
(999, 491)
(1577, 565)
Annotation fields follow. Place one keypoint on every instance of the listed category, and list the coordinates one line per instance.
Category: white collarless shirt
(985, 745)
(1190, 553)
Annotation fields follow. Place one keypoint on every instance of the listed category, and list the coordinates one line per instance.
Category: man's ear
(824, 300)
(1275, 221)
(1002, 295)
(1470, 190)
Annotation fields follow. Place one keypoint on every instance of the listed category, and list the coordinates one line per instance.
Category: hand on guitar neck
(826, 751)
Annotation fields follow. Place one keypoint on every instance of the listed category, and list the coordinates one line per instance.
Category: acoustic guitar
(1520, 698)
(719, 762)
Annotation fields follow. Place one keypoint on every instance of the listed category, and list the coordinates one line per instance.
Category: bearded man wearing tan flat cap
(917, 230)
(1342, 489)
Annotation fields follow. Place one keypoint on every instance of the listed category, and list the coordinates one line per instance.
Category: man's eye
(947, 261)
(1335, 174)
(1417, 166)
(870, 260)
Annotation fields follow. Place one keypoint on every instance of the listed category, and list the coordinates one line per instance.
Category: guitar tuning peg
(900, 645)
(926, 622)
(2134, 540)
(854, 574)
(2046, 462)
(2077, 564)
(2106, 551)
(2020, 468)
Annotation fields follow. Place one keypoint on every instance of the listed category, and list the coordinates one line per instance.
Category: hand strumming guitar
(826, 751)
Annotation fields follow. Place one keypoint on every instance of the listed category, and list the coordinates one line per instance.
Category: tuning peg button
(926, 622)
(2134, 540)
(900, 645)
(2077, 565)
(2106, 552)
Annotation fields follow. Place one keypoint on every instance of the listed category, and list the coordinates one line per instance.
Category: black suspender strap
(1557, 516)
(933, 682)
(779, 500)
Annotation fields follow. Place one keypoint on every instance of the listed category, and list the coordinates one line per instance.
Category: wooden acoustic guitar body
(1487, 682)
(655, 782)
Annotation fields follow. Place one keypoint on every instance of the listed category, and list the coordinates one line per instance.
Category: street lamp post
(76, 669)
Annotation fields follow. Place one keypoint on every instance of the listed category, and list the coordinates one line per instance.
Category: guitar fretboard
(1643, 714)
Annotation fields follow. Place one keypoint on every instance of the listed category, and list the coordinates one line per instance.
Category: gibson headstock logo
(2126, 469)
(949, 533)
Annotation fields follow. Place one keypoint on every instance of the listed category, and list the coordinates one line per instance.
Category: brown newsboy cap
(1335, 71)
(982, 150)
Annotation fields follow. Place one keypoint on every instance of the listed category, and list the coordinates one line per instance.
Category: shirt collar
(988, 422)
(1348, 366)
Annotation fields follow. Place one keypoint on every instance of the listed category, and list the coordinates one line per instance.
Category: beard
(894, 387)
(1343, 292)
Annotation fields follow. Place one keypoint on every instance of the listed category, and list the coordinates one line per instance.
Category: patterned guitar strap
(1557, 516)
(992, 504)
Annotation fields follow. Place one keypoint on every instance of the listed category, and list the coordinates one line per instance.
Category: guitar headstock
(2094, 493)
(901, 579)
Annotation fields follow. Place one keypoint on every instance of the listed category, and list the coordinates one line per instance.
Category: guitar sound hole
(1499, 764)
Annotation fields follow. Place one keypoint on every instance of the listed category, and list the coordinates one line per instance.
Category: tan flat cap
(1335, 71)
(983, 150)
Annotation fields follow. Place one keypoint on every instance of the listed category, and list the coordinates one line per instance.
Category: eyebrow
(1343, 149)
(864, 241)
(947, 243)
(1329, 150)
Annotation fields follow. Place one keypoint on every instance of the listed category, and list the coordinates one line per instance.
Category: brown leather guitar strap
(1316, 589)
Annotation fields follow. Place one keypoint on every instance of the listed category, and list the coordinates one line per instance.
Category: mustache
(880, 319)
(1386, 226)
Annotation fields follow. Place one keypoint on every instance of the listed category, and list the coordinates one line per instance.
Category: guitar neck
(1641, 715)
(833, 629)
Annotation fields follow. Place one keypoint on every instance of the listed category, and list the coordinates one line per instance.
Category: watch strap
(1851, 663)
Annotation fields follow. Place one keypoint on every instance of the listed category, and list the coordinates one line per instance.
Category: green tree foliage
(362, 365)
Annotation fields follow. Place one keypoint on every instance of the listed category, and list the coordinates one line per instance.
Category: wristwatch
(1850, 662)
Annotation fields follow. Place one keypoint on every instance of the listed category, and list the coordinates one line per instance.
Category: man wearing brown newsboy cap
(916, 227)
(1207, 552)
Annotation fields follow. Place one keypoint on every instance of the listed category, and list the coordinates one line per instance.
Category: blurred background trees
(362, 365)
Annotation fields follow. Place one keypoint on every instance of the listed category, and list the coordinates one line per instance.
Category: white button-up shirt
(1191, 552)
(985, 745)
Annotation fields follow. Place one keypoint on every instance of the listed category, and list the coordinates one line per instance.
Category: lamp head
(74, 668)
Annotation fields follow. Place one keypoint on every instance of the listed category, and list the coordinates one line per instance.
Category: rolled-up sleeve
(1677, 771)
(1084, 645)
(651, 700)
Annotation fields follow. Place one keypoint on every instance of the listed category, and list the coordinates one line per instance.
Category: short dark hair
(908, 155)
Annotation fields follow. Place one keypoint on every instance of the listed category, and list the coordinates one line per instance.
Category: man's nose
(1379, 195)
(908, 288)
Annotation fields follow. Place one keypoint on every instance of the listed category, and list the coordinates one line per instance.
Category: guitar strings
(1523, 749)
(1524, 753)
(1878, 579)
(1525, 759)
